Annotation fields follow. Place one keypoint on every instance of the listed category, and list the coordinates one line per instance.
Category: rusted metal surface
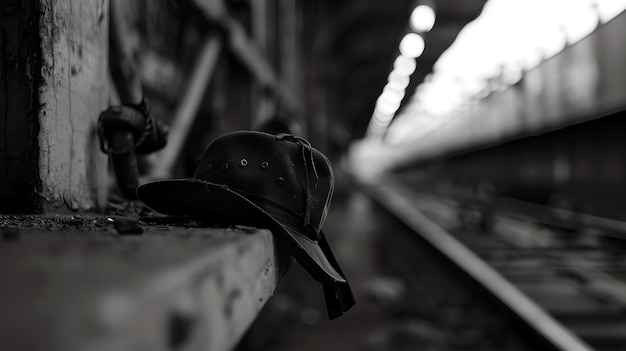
(73, 283)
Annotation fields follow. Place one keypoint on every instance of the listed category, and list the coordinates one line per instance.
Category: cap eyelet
(225, 166)
(265, 164)
(243, 162)
(280, 181)
(209, 167)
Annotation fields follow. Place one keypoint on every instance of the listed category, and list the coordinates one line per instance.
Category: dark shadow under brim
(215, 202)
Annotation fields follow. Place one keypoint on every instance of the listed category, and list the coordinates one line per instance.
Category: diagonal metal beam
(187, 107)
(245, 49)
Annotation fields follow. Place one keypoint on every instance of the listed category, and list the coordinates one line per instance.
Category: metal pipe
(125, 163)
(123, 41)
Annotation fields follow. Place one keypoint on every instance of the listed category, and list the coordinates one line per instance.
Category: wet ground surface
(408, 297)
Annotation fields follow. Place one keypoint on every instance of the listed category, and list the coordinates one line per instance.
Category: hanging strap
(305, 146)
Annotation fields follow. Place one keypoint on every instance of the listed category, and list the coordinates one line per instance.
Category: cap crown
(281, 173)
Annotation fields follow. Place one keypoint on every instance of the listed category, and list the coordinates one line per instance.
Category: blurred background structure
(477, 146)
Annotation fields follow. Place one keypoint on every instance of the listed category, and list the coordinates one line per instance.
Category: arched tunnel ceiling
(361, 41)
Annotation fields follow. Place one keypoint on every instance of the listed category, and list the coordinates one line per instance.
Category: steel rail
(532, 314)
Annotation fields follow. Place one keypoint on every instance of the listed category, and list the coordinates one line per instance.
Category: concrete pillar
(74, 89)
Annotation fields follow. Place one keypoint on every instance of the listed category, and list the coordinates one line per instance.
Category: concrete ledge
(85, 287)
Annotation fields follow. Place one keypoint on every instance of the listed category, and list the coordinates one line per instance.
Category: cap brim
(219, 203)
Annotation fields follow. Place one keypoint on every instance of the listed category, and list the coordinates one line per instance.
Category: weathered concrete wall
(74, 90)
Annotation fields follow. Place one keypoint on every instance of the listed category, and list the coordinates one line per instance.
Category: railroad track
(563, 274)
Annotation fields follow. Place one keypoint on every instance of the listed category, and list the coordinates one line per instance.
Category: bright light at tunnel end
(412, 45)
(422, 18)
(404, 65)
(464, 73)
